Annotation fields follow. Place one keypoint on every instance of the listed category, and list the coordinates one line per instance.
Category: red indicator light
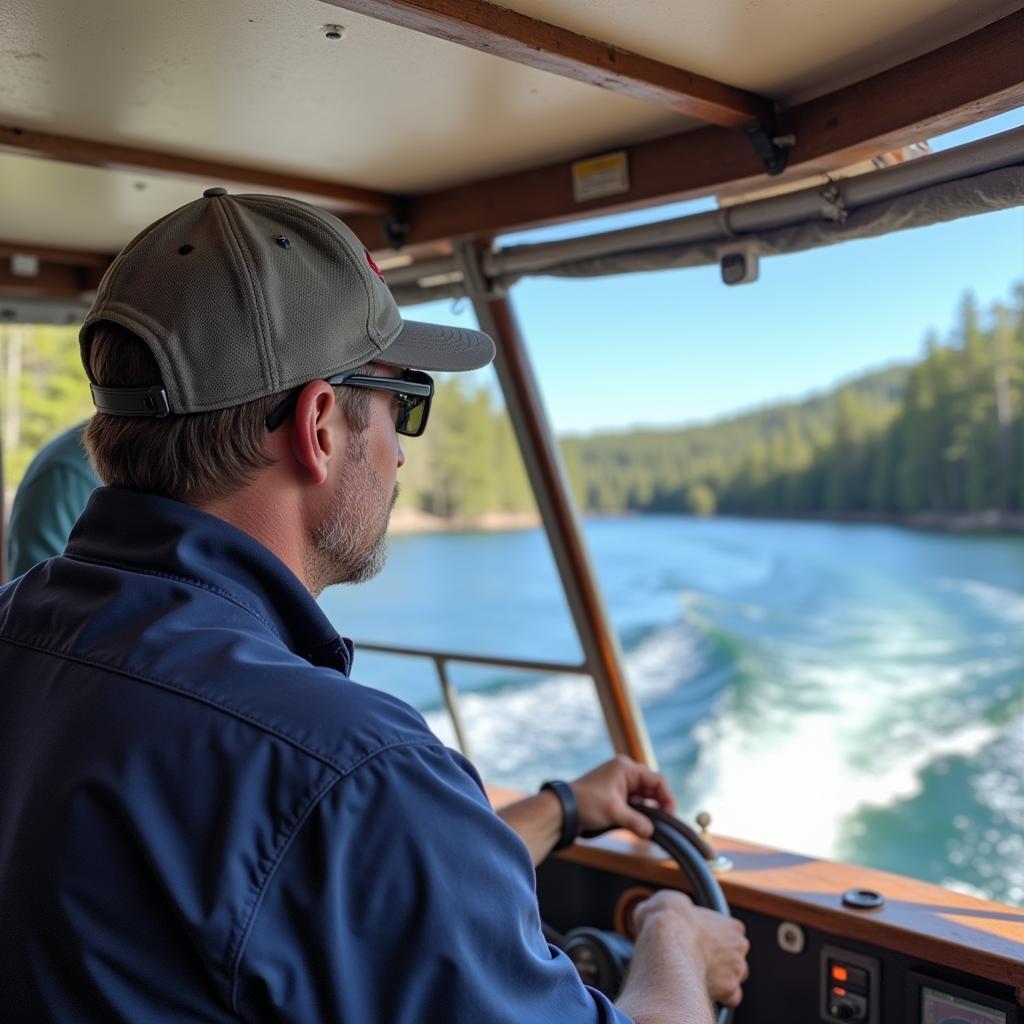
(837, 991)
(839, 973)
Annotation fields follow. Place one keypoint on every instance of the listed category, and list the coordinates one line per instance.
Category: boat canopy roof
(425, 124)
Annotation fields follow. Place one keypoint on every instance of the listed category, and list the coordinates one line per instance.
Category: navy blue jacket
(202, 818)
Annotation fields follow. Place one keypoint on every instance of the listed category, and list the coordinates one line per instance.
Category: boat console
(829, 941)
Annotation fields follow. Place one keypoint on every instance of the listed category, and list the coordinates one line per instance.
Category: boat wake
(802, 734)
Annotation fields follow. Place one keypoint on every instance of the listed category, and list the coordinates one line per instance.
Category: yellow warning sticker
(600, 176)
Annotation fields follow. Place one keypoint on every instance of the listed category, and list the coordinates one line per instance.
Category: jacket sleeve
(405, 899)
(44, 511)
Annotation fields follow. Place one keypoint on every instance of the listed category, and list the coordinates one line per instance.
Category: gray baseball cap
(241, 297)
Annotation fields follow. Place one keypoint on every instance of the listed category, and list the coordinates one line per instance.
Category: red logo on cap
(373, 265)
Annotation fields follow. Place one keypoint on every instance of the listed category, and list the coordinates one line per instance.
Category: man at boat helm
(203, 817)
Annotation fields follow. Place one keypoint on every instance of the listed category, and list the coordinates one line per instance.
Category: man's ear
(317, 434)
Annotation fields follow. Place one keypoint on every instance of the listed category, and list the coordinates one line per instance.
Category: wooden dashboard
(921, 931)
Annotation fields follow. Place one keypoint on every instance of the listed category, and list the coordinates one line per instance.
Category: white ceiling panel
(256, 83)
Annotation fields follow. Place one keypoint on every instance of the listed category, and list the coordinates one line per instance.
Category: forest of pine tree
(944, 436)
(941, 437)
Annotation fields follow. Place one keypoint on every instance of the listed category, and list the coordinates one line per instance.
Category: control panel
(936, 1001)
(799, 973)
(850, 986)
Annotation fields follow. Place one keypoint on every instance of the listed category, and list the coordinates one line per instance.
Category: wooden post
(543, 461)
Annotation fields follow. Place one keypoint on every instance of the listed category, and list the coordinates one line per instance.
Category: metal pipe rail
(734, 223)
(441, 660)
(437, 277)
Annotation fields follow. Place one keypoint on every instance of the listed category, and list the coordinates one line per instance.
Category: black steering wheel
(602, 957)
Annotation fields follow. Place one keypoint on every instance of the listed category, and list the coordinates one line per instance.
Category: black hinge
(771, 148)
(396, 224)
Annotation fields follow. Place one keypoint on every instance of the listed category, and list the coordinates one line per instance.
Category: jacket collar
(158, 536)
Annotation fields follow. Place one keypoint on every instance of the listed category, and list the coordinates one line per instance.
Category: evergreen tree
(944, 435)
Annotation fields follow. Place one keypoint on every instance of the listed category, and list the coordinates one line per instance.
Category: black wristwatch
(570, 812)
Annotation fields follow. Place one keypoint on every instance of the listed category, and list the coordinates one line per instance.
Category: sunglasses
(413, 390)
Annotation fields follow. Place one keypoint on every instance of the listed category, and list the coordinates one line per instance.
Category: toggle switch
(850, 986)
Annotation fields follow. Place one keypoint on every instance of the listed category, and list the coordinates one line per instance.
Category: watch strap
(570, 812)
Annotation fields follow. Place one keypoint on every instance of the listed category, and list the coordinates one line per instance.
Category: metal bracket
(475, 283)
(835, 204)
(770, 148)
(396, 224)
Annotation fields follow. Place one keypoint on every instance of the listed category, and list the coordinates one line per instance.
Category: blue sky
(679, 346)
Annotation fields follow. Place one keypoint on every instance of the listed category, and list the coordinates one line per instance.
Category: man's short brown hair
(196, 457)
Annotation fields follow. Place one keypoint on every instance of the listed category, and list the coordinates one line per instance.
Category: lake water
(846, 691)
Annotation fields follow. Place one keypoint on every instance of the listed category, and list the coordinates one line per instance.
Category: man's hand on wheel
(603, 795)
(718, 942)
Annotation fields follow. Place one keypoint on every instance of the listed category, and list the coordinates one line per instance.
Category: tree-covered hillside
(763, 458)
(944, 436)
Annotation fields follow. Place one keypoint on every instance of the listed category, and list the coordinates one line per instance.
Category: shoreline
(987, 522)
(407, 521)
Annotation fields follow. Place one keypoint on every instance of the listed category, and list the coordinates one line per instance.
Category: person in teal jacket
(48, 501)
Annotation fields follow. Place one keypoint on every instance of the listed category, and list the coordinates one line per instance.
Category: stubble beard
(349, 545)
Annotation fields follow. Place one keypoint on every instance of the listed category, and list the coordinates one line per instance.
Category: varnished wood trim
(63, 273)
(54, 281)
(965, 81)
(48, 254)
(975, 77)
(537, 44)
(919, 920)
(210, 172)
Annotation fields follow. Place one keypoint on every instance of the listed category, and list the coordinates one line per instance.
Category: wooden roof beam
(503, 33)
(53, 281)
(334, 196)
(65, 274)
(63, 257)
(978, 76)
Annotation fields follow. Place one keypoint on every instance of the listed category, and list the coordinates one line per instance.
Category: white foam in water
(1000, 603)
(792, 779)
(516, 732)
(663, 661)
(796, 789)
(990, 841)
(786, 763)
